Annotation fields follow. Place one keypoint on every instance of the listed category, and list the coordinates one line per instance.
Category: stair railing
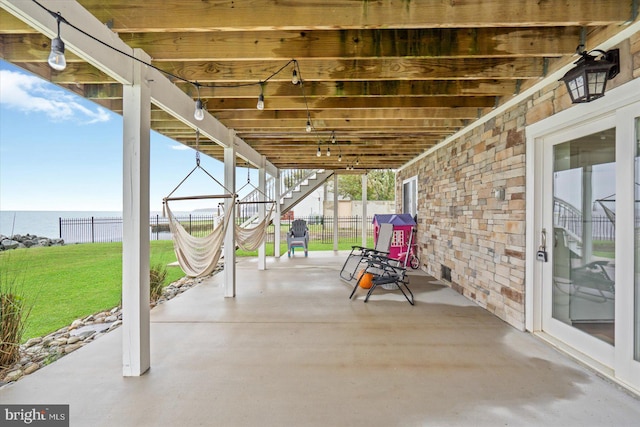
(290, 181)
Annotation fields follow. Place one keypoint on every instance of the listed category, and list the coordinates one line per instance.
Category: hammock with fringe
(198, 256)
(249, 238)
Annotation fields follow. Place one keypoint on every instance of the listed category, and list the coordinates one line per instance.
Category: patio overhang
(389, 83)
(386, 83)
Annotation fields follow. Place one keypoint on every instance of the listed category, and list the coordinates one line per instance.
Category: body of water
(43, 223)
(78, 226)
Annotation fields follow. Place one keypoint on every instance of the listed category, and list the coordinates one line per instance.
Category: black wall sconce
(588, 80)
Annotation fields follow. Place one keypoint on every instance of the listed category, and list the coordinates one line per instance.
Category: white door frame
(414, 196)
(600, 351)
(617, 107)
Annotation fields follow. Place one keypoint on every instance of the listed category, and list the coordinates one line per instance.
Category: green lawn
(64, 283)
(313, 246)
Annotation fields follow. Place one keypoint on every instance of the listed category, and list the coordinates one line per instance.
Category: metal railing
(570, 218)
(290, 180)
(101, 230)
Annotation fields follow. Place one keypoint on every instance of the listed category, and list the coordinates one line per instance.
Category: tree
(380, 185)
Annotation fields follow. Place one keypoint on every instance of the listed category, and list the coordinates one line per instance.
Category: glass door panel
(583, 266)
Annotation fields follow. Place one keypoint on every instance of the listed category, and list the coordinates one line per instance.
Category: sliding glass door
(583, 260)
(584, 244)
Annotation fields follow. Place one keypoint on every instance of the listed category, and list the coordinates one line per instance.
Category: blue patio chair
(298, 237)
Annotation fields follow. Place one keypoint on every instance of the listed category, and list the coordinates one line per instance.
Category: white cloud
(180, 147)
(31, 94)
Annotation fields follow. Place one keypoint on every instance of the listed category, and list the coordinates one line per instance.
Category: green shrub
(157, 277)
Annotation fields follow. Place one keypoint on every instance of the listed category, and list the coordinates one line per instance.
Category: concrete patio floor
(292, 350)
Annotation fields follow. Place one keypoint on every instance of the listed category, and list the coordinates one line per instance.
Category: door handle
(541, 255)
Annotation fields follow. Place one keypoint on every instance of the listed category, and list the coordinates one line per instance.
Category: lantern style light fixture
(587, 81)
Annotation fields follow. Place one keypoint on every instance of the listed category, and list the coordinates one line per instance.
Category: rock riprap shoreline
(42, 351)
(27, 241)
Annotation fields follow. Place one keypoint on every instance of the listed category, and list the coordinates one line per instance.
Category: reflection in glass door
(584, 234)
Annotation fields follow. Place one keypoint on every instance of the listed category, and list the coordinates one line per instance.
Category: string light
(56, 60)
(319, 152)
(340, 157)
(328, 151)
(198, 114)
(333, 137)
(260, 105)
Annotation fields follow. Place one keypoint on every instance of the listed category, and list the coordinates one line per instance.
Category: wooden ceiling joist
(389, 78)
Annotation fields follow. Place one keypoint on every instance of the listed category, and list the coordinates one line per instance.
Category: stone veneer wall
(461, 224)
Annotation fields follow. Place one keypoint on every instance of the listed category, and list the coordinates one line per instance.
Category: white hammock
(198, 256)
(249, 238)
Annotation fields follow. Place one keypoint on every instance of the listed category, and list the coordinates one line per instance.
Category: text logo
(34, 415)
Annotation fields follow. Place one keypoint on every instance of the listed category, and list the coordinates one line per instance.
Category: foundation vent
(445, 273)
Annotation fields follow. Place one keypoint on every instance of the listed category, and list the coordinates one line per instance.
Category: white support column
(276, 219)
(136, 351)
(229, 238)
(335, 212)
(262, 185)
(364, 210)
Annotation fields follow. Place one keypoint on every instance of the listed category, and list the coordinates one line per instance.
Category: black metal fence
(100, 230)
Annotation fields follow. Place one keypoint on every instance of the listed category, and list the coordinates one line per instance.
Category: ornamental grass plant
(14, 313)
(157, 278)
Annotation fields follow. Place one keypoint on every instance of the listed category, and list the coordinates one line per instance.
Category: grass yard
(64, 283)
(313, 246)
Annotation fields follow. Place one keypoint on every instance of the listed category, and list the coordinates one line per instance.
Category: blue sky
(59, 151)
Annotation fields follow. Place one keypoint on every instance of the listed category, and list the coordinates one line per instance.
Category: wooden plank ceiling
(389, 79)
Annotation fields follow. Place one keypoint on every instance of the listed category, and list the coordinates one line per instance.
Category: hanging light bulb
(339, 157)
(56, 59)
(308, 128)
(260, 105)
(294, 77)
(357, 162)
(333, 137)
(328, 151)
(199, 112)
(319, 152)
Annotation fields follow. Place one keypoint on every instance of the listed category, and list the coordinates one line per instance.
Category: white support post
(364, 210)
(276, 219)
(136, 351)
(262, 185)
(335, 212)
(229, 238)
